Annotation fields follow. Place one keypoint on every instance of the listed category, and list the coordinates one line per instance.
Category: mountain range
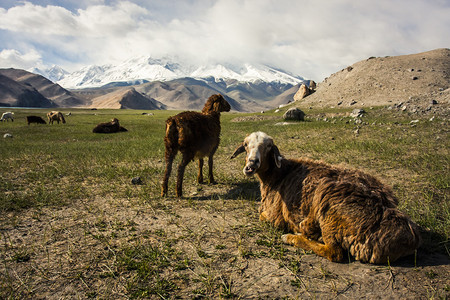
(147, 83)
(147, 69)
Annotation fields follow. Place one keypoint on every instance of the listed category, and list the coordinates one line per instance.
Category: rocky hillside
(125, 98)
(420, 78)
(13, 93)
(55, 95)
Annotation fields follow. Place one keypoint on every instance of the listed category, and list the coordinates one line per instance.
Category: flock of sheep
(334, 212)
(52, 116)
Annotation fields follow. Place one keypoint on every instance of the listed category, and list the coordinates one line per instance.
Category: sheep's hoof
(213, 182)
(285, 238)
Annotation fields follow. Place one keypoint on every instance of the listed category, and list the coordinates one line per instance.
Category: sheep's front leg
(263, 217)
(210, 169)
(200, 171)
(310, 228)
(330, 251)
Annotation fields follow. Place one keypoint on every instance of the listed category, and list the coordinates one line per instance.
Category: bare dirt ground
(77, 251)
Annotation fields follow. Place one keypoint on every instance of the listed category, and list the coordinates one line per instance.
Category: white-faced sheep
(55, 116)
(330, 210)
(195, 135)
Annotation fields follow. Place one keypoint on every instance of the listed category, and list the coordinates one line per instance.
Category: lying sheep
(109, 127)
(330, 210)
(195, 135)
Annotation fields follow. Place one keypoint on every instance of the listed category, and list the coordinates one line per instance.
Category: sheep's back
(198, 132)
(360, 213)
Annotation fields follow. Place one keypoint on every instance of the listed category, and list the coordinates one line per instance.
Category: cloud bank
(308, 38)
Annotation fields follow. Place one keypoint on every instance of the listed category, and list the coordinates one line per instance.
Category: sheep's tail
(171, 132)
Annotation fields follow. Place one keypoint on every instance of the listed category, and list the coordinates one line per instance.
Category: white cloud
(10, 58)
(310, 38)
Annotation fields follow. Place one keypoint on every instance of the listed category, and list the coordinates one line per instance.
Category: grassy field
(74, 226)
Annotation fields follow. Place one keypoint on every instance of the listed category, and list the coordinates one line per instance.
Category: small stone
(137, 181)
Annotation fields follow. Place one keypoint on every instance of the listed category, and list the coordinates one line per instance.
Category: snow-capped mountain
(54, 73)
(143, 69)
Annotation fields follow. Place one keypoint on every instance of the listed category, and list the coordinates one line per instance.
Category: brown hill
(419, 77)
(185, 94)
(52, 91)
(125, 98)
(16, 94)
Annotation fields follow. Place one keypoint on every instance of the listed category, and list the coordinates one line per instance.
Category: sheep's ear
(238, 151)
(277, 156)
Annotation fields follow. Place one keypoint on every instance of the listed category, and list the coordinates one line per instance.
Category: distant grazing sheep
(6, 116)
(55, 116)
(109, 127)
(195, 135)
(331, 210)
(35, 119)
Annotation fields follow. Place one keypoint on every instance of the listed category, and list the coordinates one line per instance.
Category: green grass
(57, 167)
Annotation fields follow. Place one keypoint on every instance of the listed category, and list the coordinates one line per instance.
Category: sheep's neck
(272, 176)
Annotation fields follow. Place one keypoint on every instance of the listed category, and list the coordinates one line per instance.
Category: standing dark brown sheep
(195, 135)
(331, 210)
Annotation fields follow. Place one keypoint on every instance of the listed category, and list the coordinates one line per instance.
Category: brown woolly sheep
(109, 127)
(330, 210)
(55, 116)
(195, 135)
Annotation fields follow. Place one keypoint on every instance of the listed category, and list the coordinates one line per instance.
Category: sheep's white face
(257, 145)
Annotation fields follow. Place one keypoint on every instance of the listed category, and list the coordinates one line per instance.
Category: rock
(294, 114)
(302, 92)
(137, 181)
(357, 113)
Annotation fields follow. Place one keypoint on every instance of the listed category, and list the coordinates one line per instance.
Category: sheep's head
(216, 103)
(261, 153)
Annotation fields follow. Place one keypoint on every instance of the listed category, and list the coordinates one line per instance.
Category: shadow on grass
(248, 190)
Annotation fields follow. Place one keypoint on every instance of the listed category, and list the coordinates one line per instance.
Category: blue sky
(309, 38)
